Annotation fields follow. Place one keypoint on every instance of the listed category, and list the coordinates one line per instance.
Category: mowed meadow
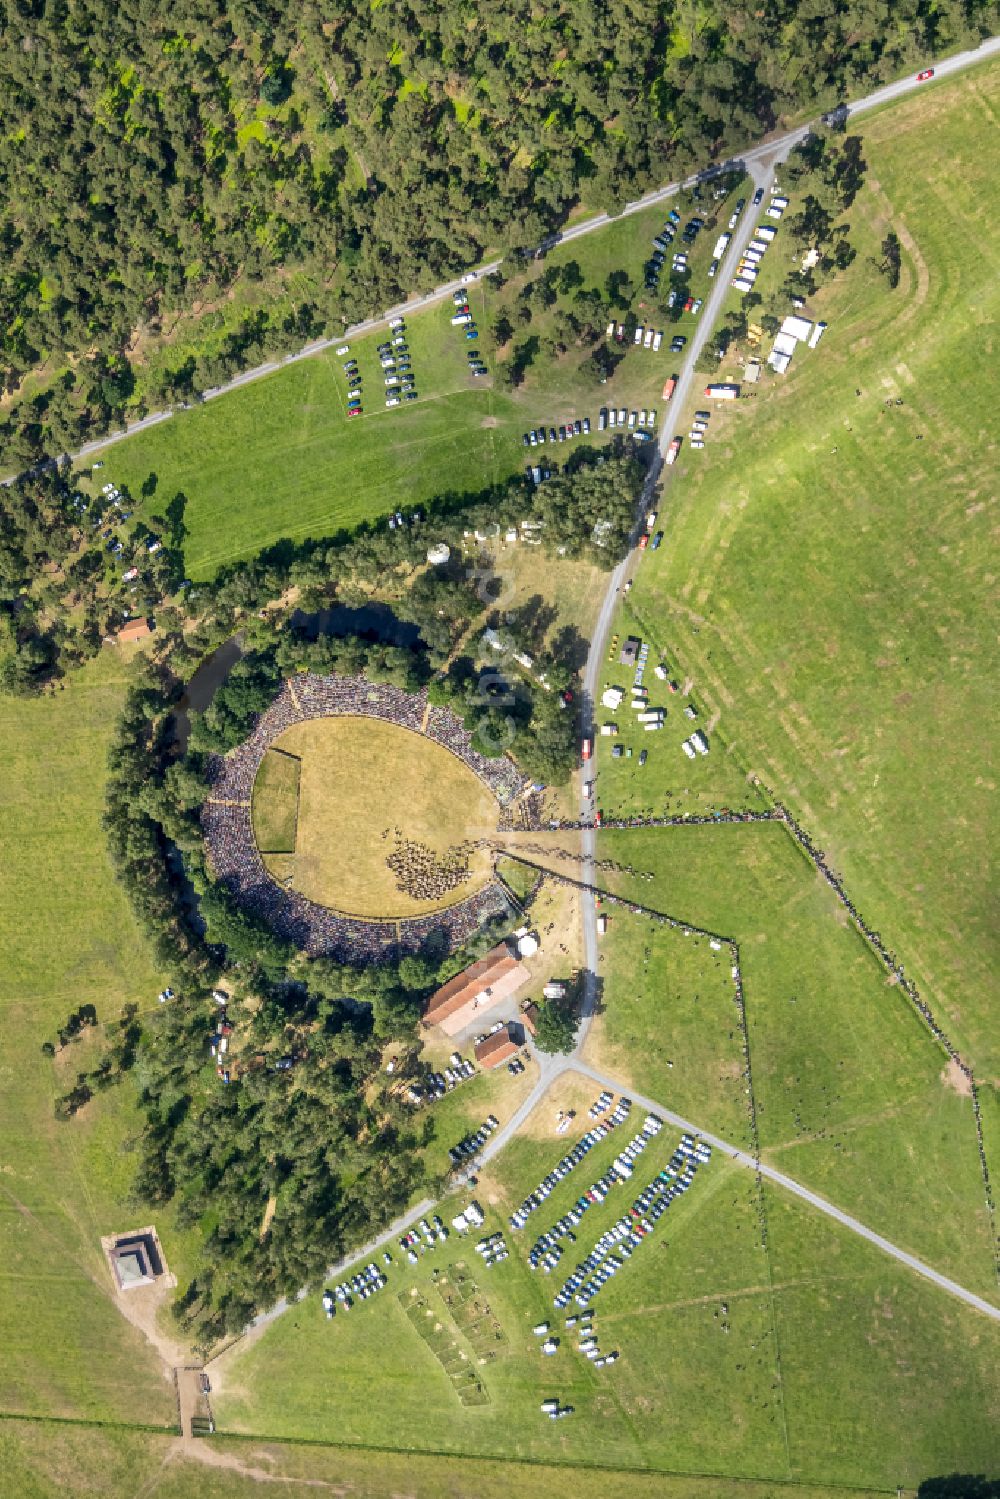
(734, 1358)
(67, 938)
(826, 587)
(280, 460)
(854, 1098)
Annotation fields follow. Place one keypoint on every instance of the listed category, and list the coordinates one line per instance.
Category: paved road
(552, 1068)
(790, 1185)
(761, 170)
(760, 163)
(768, 151)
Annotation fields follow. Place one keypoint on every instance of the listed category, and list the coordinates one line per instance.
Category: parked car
(923, 77)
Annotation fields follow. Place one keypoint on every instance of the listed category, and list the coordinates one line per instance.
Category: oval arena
(342, 837)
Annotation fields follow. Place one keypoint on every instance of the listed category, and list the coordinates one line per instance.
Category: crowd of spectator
(309, 696)
(501, 775)
(316, 929)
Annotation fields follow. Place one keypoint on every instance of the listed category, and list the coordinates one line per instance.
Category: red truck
(587, 750)
(670, 387)
(673, 450)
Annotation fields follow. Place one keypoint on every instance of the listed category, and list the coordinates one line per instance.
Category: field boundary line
(563, 1464)
(871, 939)
(904, 1256)
(107, 1425)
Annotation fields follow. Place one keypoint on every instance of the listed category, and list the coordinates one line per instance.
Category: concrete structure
(497, 976)
(135, 1258)
(498, 1048)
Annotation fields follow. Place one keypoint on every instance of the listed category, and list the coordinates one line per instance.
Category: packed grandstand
(236, 860)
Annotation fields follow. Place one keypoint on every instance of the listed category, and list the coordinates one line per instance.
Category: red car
(355, 411)
(643, 541)
(923, 77)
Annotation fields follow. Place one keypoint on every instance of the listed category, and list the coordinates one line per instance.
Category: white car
(395, 322)
(344, 349)
(392, 401)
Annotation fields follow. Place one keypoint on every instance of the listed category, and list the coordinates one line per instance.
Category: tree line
(154, 160)
(61, 594)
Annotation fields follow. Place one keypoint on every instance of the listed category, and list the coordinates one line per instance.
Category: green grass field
(667, 1025)
(669, 782)
(731, 1357)
(823, 587)
(42, 1460)
(279, 459)
(854, 1098)
(275, 806)
(66, 937)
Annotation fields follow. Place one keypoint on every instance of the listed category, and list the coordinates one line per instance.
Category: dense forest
(152, 162)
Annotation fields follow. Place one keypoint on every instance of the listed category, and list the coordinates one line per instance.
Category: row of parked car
(397, 367)
(568, 1163)
(610, 416)
(547, 1250)
(364, 1284)
(462, 318)
(426, 1235)
(473, 1143)
(618, 1243)
(699, 428)
(578, 428)
(493, 1250)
